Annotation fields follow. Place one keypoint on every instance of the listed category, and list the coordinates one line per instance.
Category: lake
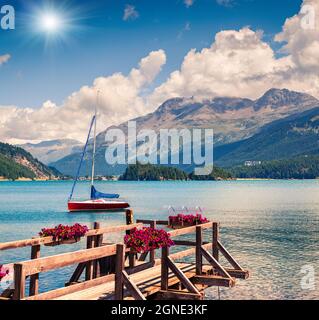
(270, 227)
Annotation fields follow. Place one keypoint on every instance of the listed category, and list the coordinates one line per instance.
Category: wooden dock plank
(148, 281)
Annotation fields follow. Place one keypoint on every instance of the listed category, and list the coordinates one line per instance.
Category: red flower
(62, 232)
(189, 219)
(3, 272)
(147, 239)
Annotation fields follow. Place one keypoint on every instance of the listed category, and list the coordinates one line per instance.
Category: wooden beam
(119, 268)
(54, 294)
(141, 267)
(143, 256)
(239, 274)
(164, 269)
(211, 281)
(34, 279)
(19, 282)
(186, 243)
(182, 278)
(78, 272)
(152, 252)
(179, 232)
(215, 263)
(132, 287)
(199, 243)
(159, 222)
(98, 241)
(177, 295)
(89, 264)
(215, 240)
(129, 216)
(229, 257)
(132, 258)
(66, 259)
(47, 240)
(7, 293)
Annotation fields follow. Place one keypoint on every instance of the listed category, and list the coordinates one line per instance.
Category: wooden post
(19, 282)
(130, 220)
(152, 253)
(34, 279)
(199, 243)
(89, 264)
(119, 268)
(97, 243)
(164, 269)
(215, 240)
(129, 217)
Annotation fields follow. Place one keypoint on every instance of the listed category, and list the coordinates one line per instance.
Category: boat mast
(94, 141)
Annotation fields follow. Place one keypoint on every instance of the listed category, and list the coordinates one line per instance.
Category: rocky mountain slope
(51, 151)
(296, 135)
(17, 163)
(233, 120)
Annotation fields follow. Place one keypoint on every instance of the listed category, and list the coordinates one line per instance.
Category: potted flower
(147, 239)
(64, 234)
(3, 272)
(183, 221)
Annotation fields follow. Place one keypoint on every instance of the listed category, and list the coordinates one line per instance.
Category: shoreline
(226, 180)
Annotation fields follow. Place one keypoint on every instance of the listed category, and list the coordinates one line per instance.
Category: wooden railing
(115, 255)
(220, 277)
(94, 238)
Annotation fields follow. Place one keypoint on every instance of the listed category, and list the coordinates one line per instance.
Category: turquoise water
(271, 227)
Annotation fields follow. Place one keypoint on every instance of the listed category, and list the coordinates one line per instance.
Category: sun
(55, 23)
(50, 22)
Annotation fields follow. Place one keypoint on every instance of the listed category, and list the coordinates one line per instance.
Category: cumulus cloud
(5, 58)
(300, 33)
(130, 13)
(120, 100)
(189, 3)
(238, 63)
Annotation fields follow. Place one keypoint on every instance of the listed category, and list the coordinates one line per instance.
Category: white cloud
(120, 100)
(5, 58)
(189, 3)
(238, 63)
(300, 33)
(130, 13)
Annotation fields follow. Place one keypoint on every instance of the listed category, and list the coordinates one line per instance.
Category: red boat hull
(77, 206)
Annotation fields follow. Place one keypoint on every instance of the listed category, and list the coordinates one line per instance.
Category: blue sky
(101, 42)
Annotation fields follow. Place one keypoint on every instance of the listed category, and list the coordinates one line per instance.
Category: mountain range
(244, 129)
(291, 137)
(16, 163)
(53, 150)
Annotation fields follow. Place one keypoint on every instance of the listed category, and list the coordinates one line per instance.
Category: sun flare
(50, 22)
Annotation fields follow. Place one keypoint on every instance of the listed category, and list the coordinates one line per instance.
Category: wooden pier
(112, 271)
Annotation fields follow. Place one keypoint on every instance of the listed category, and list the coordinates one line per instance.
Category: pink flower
(3, 272)
(147, 239)
(189, 219)
(62, 232)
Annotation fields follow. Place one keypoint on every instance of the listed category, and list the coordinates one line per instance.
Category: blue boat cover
(98, 195)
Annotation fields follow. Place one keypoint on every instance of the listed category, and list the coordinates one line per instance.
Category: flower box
(183, 221)
(60, 242)
(147, 239)
(64, 234)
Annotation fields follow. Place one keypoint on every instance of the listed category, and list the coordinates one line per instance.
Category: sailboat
(98, 201)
